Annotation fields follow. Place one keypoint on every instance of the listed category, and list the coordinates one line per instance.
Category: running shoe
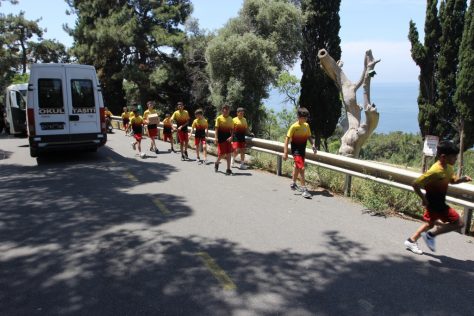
(413, 247)
(293, 186)
(243, 167)
(429, 240)
(306, 194)
(228, 172)
(216, 167)
(134, 146)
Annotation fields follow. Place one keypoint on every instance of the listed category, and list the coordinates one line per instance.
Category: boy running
(224, 132)
(137, 126)
(168, 130)
(152, 128)
(298, 134)
(435, 182)
(238, 143)
(200, 125)
(181, 117)
(125, 119)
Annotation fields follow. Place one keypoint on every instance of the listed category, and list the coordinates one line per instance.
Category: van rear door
(51, 118)
(84, 114)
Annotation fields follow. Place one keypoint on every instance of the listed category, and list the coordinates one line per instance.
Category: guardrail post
(347, 185)
(467, 218)
(278, 166)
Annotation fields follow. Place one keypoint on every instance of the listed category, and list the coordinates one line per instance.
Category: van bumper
(77, 141)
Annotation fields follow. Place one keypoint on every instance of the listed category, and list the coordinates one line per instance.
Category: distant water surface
(396, 103)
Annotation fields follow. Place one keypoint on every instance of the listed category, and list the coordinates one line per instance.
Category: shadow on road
(86, 247)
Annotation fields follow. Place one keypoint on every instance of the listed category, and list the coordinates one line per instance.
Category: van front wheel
(33, 152)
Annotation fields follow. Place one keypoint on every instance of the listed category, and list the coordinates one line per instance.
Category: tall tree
(464, 96)
(194, 57)
(452, 24)
(47, 51)
(249, 52)
(425, 56)
(139, 41)
(18, 31)
(318, 93)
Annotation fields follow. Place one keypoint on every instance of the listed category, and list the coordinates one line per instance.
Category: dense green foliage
(318, 92)
(464, 97)
(140, 41)
(248, 53)
(452, 23)
(425, 56)
(440, 60)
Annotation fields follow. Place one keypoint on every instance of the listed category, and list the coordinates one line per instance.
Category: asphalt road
(108, 233)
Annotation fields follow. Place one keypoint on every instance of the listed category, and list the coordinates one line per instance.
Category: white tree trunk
(356, 132)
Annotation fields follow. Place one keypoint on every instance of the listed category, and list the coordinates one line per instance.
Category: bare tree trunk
(356, 133)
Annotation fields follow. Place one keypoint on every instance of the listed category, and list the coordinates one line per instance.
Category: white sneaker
(413, 247)
(243, 167)
(430, 241)
(306, 193)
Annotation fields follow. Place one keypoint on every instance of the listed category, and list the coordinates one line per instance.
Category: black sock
(430, 234)
(410, 240)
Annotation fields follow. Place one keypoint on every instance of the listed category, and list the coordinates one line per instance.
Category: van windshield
(50, 93)
(82, 93)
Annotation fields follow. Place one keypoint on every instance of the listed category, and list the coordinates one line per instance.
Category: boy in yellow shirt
(200, 125)
(299, 133)
(168, 130)
(224, 132)
(435, 182)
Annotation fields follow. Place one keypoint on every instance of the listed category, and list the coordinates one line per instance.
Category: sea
(396, 103)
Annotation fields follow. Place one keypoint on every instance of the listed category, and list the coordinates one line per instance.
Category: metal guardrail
(460, 194)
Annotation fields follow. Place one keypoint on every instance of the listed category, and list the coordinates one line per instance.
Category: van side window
(20, 100)
(50, 93)
(82, 93)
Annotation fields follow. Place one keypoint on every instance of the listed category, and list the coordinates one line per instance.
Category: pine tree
(318, 92)
(425, 56)
(125, 39)
(464, 96)
(452, 24)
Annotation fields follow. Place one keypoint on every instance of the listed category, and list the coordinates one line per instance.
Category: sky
(379, 25)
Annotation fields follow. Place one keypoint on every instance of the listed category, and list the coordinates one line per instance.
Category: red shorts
(237, 145)
(183, 136)
(152, 132)
(449, 215)
(199, 140)
(167, 136)
(224, 148)
(138, 137)
(299, 162)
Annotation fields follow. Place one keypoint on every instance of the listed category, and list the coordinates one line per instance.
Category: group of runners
(230, 134)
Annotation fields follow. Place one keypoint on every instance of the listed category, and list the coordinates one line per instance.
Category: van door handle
(74, 117)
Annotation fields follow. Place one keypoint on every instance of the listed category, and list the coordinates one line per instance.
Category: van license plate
(52, 126)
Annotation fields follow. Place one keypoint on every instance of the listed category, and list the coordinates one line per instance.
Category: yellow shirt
(125, 115)
(181, 118)
(131, 115)
(148, 112)
(137, 122)
(200, 125)
(167, 125)
(224, 126)
(435, 181)
(299, 134)
(240, 129)
(108, 113)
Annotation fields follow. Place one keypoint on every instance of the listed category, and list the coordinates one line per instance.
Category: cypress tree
(464, 96)
(452, 24)
(425, 56)
(318, 93)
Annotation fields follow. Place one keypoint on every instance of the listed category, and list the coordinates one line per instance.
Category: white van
(64, 108)
(15, 107)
